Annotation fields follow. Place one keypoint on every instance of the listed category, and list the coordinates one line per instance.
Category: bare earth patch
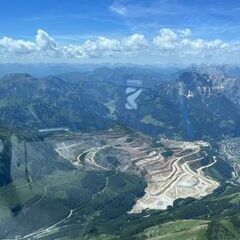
(168, 168)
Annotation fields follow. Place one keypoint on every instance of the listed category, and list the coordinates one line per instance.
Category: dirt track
(168, 178)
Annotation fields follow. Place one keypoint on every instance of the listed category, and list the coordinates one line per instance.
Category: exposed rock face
(201, 96)
(224, 79)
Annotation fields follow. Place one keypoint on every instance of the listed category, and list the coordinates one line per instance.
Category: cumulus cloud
(45, 42)
(134, 42)
(167, 42)
(9, 46)
(181, 42)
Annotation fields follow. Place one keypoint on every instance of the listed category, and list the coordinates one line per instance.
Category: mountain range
(189, 104)
(67, 141)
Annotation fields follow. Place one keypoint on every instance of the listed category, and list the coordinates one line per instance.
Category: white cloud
(101, 47)
(9, 46)
(44, 41)
(135, 42)
(168, 43)
(116, 8)
(166, 40)
(185, 32)
(181, 42)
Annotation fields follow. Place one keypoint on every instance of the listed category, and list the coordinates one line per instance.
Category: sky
(135, 31)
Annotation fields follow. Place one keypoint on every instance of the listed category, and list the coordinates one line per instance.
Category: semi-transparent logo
(133, 91)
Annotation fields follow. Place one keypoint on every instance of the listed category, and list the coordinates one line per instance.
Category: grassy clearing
(180, 230)
(100, 237)
(16, 195)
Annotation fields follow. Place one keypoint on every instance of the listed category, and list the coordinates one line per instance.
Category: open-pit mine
(171, 169)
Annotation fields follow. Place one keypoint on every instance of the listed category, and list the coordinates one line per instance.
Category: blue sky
(77, 21)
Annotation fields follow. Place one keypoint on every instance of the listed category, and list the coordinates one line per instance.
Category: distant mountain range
(45, 69)
(190, 104)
